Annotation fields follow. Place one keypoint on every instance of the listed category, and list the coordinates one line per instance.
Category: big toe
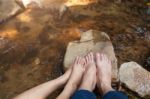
(98, 57)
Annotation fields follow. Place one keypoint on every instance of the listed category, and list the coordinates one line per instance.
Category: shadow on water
(33, 43)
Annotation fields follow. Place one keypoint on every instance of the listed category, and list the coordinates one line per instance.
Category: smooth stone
(91, 41)
(135, 78)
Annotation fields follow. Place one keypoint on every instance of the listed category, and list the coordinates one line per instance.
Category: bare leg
(43, 90)
(75, 78)
(89, 78)
(103, 73)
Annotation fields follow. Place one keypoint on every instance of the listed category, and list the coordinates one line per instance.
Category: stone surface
(8, 8)
(28, 2)
(56, 6)
(135, 78)
(91, 41)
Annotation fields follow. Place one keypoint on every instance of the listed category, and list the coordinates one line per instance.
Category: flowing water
(33, 43)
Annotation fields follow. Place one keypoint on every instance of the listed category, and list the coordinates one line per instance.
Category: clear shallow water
(33, 44)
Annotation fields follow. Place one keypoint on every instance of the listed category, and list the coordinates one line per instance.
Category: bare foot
(89, 78)
(75, 79)
(104, 73)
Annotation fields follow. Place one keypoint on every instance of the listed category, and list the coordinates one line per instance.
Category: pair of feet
(88, 72)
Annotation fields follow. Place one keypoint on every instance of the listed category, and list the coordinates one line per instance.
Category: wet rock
(37, 61)
(135, 78)
(26, 3)
(94, 41)
(148, 62)
(52, 5)
(8, 8)
(140, 30)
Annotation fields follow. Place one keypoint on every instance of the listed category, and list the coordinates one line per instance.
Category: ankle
(85, 87)
(69, 88)
(105, 88)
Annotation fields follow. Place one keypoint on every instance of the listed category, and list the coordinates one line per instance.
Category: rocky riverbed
(33, 42)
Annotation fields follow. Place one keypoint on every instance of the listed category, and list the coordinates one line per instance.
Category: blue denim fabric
(85, 94)
(115, 95)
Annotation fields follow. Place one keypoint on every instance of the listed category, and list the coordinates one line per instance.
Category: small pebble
(37, 61)
(140, 30)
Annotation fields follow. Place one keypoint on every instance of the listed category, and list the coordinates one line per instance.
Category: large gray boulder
(91, 41)
(135, 78)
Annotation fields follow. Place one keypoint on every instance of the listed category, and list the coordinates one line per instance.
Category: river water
(33, 43)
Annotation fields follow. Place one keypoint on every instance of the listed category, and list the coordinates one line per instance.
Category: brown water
(33, 43)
